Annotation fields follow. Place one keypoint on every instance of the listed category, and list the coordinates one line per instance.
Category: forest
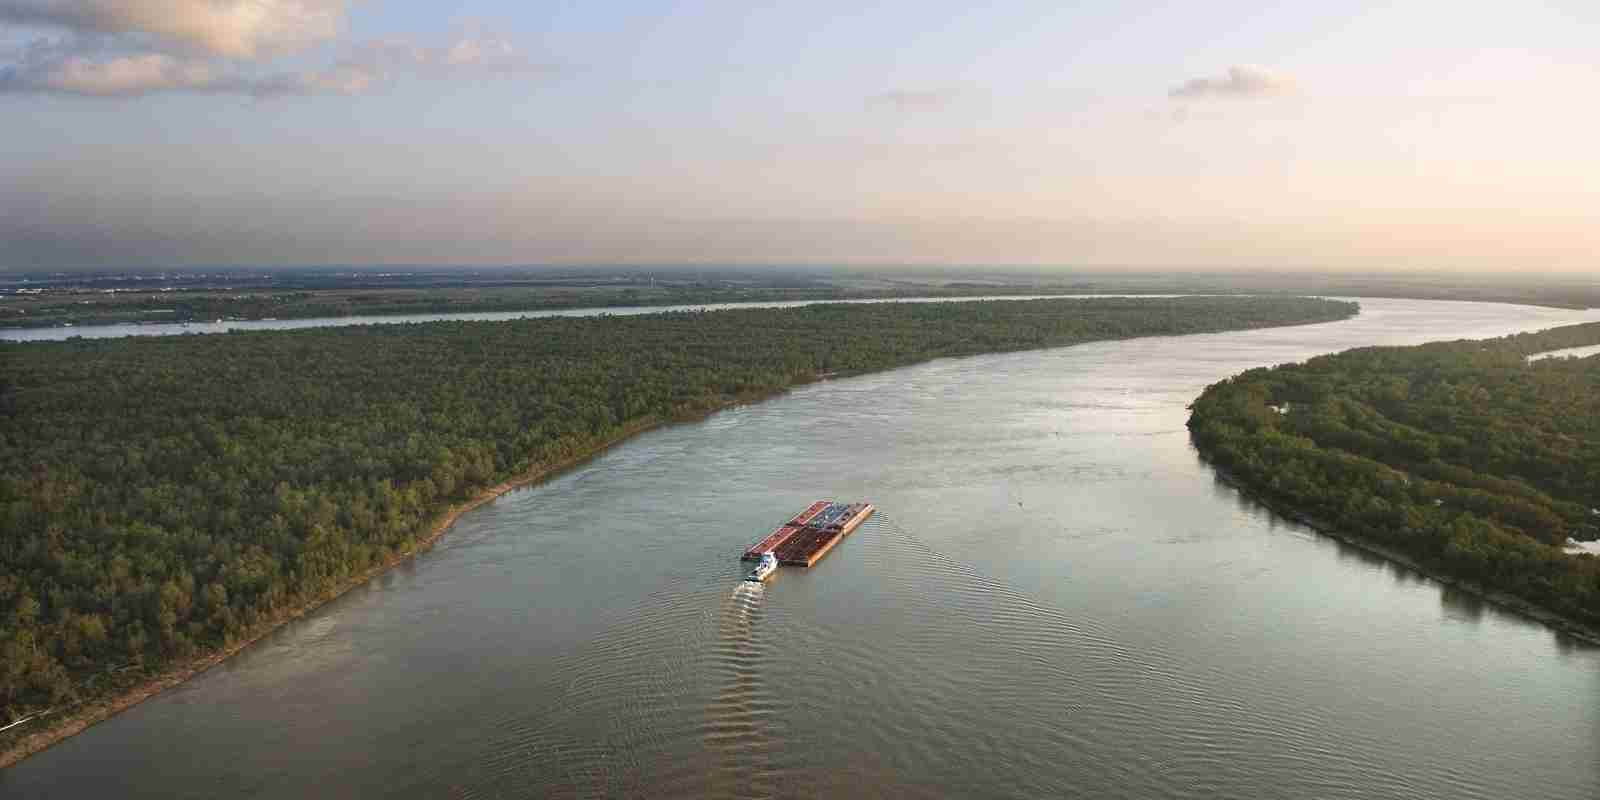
(1465, 456)
(162, 497)
(42, 300)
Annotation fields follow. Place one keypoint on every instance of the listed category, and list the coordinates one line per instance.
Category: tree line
(1465, 455)
(161, 497)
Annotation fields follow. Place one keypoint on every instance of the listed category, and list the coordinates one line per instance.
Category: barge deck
(805, 539)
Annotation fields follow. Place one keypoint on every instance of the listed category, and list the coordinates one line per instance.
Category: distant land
(48, 299)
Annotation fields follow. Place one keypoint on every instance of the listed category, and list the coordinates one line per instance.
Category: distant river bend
(118, 330)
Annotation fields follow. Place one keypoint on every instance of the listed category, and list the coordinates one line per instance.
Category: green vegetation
(1464, 456)
(162, 497)
(46, 300)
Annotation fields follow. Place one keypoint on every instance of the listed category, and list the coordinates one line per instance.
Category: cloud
(1239, 82)
(119, 50)
(475, 52)
(231, 28)
(913, 100)
(128, 75)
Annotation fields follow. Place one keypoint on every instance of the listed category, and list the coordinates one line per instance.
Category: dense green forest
(1465, 456)
(161, 497)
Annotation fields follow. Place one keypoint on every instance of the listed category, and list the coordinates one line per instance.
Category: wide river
(1057, 598)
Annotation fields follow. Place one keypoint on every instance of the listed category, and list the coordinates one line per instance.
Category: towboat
(768, 565)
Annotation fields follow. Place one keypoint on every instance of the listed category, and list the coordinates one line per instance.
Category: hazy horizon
(1433, 138)
(1119, 278)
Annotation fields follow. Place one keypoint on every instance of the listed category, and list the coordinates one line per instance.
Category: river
(1057, 598)
(1569, 352)
(115, 330)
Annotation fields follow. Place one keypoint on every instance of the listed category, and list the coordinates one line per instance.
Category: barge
(809, 535)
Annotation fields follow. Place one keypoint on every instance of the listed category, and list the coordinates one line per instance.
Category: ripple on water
(932, 680)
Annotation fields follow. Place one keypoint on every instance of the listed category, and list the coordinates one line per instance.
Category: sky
(1419, 135)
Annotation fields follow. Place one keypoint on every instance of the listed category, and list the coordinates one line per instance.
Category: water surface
(1569, 352)
(1057, 599)
(117, 330)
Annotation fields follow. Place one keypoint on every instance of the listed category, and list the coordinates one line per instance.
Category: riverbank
(1458, 453)
(1508, 602)
(80, 718)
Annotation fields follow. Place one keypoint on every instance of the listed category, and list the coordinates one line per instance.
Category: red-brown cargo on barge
(784, 531)
(804, 540)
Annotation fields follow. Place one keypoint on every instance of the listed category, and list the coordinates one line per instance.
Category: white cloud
(469, 53)
(129, 75)
(1239, 82)
(230, 28)
(484, 51)
(150, 73)
(110, 49)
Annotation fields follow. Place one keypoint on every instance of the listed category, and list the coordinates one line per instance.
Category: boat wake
(747, 596)
(736, 729)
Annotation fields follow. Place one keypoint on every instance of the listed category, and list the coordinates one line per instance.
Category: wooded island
(1466, 456)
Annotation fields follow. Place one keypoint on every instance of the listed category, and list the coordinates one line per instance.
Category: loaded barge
(805, 539)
